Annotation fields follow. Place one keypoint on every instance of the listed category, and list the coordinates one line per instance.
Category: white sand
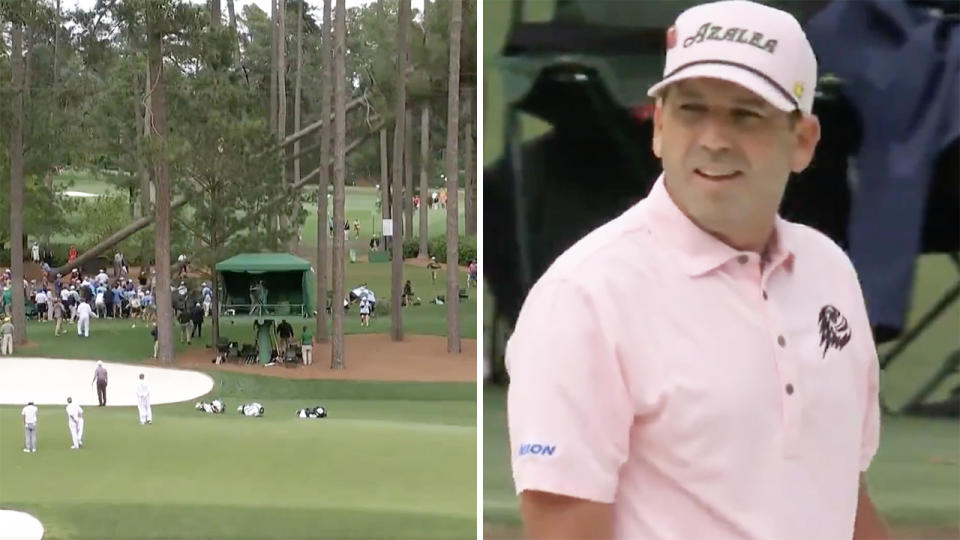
(79, 194)
(47, 381)
(19, 526)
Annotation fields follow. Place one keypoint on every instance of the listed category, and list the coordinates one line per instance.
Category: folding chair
(248, 354)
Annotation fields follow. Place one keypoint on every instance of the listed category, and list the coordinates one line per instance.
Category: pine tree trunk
(274, 57)
(158, 129)
(338, 354)
(424, 159)
(56, 57)
(386, 184)
(295, 239)
(469, 187)
(215, 309)
(135, 209)
(215, 281)
(408, 175)
(384, 180)
(138, 121)
(424, 189)
(296, 94)
(282, 221)
(27, 57)
(282, 69)
(400, 116)
(55, 109)
(232, 13)
(16, 183)
(453, 116)
(323, 252)
(145, 184)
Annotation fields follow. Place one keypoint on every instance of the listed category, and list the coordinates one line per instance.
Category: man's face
(727, 153)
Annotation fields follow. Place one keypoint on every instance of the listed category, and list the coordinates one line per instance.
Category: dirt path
(368, 357)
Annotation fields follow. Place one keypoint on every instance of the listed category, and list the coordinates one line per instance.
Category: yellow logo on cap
(798, 90)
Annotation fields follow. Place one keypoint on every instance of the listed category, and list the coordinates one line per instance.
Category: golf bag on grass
(250, 409)
(312, 412)
(214, 407)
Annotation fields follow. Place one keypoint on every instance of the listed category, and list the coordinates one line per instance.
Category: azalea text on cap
(758, 47)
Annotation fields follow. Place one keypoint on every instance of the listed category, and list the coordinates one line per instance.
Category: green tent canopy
(288, 280)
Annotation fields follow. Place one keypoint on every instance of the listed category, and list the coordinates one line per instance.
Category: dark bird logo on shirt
(834, 330)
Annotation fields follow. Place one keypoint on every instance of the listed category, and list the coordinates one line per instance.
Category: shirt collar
(698, 251)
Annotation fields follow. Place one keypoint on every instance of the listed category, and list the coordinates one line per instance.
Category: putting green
(399, 468)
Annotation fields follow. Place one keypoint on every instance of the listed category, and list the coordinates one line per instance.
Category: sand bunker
(19, 526)
(47, 381)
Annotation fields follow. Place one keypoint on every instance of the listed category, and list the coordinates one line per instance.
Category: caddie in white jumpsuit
(84, 312)
(75, 423)
(143, 402)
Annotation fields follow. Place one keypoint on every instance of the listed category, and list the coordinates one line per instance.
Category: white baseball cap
(758, 47)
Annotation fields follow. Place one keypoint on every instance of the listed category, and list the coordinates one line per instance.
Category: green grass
(85, 181)
(426, 319)
(116, 340)
(109, 340)
(935, 274)
(392, 460)
(913, 478)
(360, 204)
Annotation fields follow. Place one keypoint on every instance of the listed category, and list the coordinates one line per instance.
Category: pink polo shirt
(702, 393)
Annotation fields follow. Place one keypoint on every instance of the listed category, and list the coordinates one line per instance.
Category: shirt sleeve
(568, 409)
(871, 419)
(870, 432)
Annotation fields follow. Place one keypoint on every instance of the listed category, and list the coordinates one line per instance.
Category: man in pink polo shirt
(699, 368)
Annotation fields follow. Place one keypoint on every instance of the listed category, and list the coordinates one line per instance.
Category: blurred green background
(496, 20)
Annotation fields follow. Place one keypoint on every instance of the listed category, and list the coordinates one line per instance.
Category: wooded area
(190, 117)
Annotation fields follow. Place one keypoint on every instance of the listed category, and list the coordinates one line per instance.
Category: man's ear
(807, 136)
(657, 141)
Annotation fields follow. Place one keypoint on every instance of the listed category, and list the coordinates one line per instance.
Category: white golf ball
(133, 326)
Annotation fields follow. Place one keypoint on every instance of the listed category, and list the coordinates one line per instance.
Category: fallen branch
(294, 137)
(114, 239)
(146, 221)
(296, 186)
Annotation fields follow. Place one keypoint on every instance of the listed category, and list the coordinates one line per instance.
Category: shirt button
(789, 389)
(764, 295)
(743, 259)
(781, 341)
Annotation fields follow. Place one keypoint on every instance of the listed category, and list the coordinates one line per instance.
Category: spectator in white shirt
(143, 402)
(75, 423)
(29, 414)
(41, 299)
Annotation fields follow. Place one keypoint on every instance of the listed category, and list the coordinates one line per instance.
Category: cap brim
(725, 72)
